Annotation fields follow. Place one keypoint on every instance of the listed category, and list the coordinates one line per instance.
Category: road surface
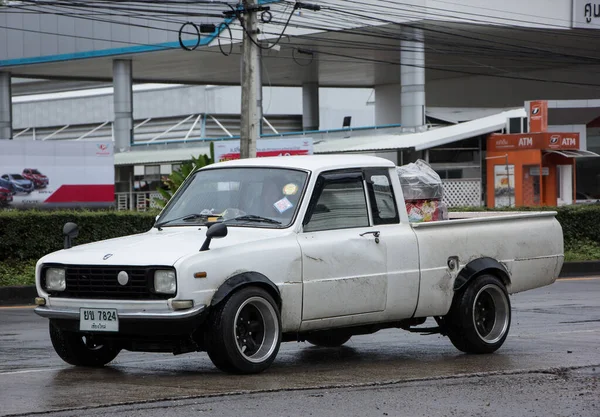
(549, 365)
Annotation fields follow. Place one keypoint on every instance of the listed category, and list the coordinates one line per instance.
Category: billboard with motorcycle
(56, 174)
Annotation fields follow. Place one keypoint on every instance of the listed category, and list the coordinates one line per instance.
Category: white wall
(581, 129)
(387, 104)
(336, 103)
(97, 106)
(62, 109)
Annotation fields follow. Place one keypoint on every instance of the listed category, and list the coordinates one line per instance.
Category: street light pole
(250, 120)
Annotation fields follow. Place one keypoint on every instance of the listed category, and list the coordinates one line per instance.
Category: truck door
(400, 242)
(344, 268)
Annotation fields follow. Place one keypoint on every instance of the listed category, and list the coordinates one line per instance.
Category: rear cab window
(381, 196)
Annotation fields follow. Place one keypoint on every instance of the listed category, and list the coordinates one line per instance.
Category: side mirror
(70, 231)
(216, 230)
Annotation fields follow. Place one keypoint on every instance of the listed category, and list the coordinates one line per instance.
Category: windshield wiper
(185, 218)
(254, 218)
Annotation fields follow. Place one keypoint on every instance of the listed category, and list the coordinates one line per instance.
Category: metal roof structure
(436, 136)
(421, 140)
(160, 157)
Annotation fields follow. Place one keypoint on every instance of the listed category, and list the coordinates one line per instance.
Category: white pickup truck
(252, 253)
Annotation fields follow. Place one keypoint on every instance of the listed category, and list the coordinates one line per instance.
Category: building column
(5, 106)
(412, 77)
(310, 106)
(123, 104)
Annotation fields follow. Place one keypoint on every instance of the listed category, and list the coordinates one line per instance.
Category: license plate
(98, 320)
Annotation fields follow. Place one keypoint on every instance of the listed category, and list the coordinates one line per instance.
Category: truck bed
(528, 244)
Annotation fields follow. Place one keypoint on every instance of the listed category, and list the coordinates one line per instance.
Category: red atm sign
(522, 141)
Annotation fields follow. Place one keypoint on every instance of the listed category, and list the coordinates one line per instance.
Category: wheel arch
(245, 279)
(478, 267)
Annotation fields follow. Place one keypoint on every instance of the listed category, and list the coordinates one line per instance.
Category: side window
(340, 204)
(381, 196)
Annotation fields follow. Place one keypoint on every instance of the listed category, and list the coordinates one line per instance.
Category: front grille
(97, 282)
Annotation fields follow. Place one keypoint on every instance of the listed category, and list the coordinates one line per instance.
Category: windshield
(35, 172)
(260, 197)
(17, 177)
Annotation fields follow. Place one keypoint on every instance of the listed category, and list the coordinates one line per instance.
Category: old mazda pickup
(252, 253)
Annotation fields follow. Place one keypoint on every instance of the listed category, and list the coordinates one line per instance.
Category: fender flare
(477, 267)
(243, 279)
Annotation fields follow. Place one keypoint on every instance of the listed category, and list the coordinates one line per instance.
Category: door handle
(375, 233)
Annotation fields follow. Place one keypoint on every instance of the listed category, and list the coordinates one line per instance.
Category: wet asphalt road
(549, 365)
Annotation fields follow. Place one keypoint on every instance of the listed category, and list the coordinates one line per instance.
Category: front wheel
(479, 319)
(81, 350)
(244, 332)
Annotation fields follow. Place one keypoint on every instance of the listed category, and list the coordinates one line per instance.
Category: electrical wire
(301, 51)
(182, 44)
(237, 13)
(439, 41)
(230, 39)
(442, 13)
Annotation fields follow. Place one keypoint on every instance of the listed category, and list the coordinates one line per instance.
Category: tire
(75, 350)
(330, 338)
(479, 318)
(233, 348)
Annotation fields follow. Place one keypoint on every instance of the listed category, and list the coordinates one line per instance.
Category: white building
(410, 61)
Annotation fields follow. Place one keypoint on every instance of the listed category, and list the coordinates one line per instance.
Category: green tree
(177, 177)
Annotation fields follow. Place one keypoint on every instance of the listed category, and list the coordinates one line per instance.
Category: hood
(155, 247)
(25, 183)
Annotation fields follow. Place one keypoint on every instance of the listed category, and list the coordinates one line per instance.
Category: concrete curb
(580, 269)
(11, 296)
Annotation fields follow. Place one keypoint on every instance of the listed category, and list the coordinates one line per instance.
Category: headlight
(55, 279)
(165, 282)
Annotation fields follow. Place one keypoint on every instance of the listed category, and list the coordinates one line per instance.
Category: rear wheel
(244, 332)
(479, 319)
(328, 338)
(81, 350)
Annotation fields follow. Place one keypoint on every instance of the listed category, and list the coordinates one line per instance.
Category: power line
(438, 42)
(460, 17)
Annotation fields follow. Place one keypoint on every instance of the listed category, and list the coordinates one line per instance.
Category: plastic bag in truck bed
(420, 182)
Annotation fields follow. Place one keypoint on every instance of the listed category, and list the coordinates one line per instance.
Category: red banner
(260, 154)
(538, 116)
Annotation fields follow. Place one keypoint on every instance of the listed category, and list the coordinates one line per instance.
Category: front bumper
(73, 313)
(134, 322)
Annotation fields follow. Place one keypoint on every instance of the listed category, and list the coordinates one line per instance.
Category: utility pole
(251, 115)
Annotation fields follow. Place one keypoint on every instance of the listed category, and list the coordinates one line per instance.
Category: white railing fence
(462, 193)
(137, 201)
